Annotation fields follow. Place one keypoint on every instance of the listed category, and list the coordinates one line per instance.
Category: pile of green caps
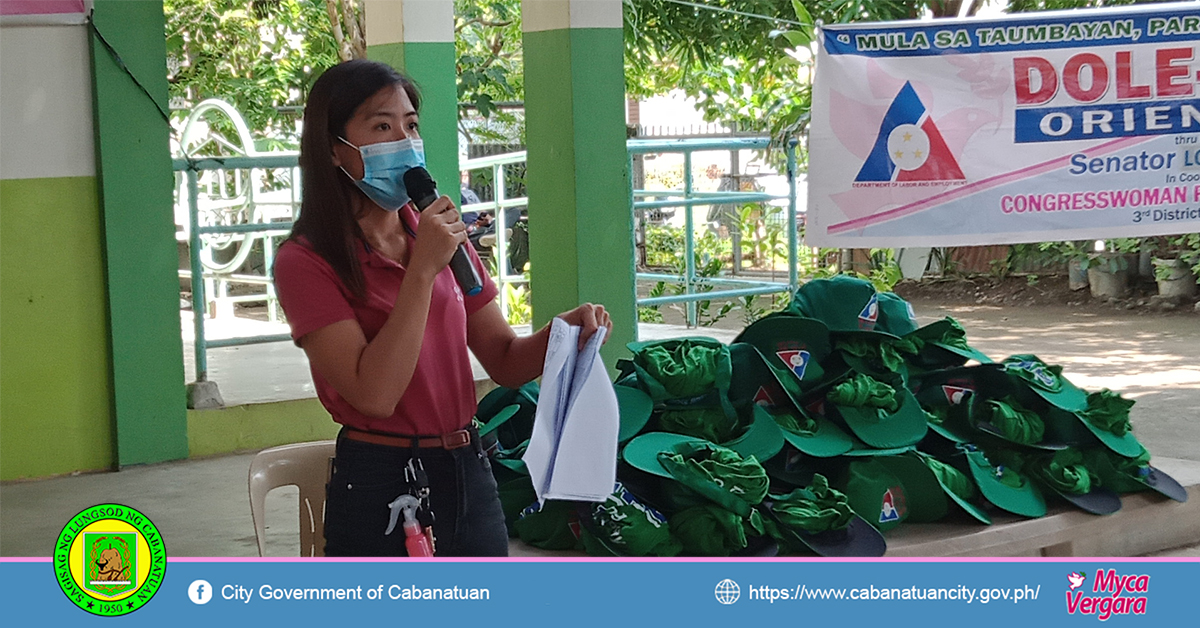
(923, 436)
(821, 427)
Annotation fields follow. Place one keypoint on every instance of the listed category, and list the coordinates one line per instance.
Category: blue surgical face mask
(384, 165)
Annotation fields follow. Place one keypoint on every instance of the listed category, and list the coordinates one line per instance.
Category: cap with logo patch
(875, 493)
(930, 486)
(753, 380)
(842, 303)
(792, 346)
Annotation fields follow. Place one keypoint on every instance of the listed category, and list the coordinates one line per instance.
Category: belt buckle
(455, 440)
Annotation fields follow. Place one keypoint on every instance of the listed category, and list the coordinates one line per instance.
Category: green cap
(750, 431)
(896, 316)
(635, 408)
(793, 347)
(1047, 381)
(813, 435)
(878, 414)
(761, 438)
(1066, 474)
(707, 529)
(1007, 418)
(875, 493)
(843, 303)
(1005, 487)
(681, 368)
(948, 394)
(926, 479)
(707, 470)
(622, 525)
(943, 344)
(516, 494)
(552, 525)
(754, 382)
(819, 518)
(509, 463)
(1011, 421)
(506, 414)
(1107, 418)
(1128, 475)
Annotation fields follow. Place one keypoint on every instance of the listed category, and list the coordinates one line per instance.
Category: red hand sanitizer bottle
(415, 541)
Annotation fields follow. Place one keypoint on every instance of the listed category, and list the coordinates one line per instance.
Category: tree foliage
(488, 46)
(258, 55)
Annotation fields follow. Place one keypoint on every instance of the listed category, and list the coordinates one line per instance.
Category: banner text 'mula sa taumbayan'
(1052, 126)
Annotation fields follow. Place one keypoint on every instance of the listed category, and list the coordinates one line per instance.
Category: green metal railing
(192, 169)
(688, 198)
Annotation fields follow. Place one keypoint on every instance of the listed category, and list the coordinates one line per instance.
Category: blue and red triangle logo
(869, 314)
(890, 510)
(763, 398)
(909, 146)
(796, 361)
(956, 394)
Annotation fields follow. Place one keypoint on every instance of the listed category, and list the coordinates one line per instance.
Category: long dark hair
(327, 218)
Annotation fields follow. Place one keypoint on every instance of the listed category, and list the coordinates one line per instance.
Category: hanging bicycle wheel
(215, 129)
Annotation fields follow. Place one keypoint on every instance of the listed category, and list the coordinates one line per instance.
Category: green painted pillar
(417, 38)
(133, 168)
(580, 221)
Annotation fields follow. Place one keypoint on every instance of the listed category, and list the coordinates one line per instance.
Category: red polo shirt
(441, 396)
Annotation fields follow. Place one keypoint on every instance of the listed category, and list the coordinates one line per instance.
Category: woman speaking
(365, 284)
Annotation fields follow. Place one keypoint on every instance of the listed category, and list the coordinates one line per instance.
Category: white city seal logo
(200, 592)
(728, 591)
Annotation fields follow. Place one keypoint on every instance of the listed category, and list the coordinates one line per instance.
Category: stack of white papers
(572, 453)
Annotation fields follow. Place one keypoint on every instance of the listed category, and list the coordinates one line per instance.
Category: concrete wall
(91, 364)
(55, 387)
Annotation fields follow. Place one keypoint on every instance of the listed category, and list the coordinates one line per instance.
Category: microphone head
(419, 184)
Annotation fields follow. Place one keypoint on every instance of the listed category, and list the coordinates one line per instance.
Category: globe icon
(727, 591)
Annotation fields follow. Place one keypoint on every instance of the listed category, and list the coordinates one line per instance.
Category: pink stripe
(40, 7)
(981, 185)
(583, 560)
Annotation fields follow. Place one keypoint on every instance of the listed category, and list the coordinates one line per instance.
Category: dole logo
(869, 314)
(909, 146)
(763, 398)
(956, 394)
(892, 507)
(796, 360)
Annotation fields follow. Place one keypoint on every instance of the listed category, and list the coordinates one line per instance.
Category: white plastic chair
(304, 465)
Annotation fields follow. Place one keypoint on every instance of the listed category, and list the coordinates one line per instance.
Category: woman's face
(388, 116)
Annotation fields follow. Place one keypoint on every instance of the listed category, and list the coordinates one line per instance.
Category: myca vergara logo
(109, 560)
(1111, 594)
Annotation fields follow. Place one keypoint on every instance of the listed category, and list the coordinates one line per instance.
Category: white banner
(1052, 126)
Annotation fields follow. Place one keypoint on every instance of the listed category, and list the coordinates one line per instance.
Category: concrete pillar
(133, 167)
(580, 220)
(417, 38)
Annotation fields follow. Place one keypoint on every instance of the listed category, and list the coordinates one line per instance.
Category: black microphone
(423, 191)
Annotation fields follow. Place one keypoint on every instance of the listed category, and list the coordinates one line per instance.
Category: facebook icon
(200, 592)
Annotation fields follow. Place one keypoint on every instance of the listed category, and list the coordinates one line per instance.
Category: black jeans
(462, 494)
